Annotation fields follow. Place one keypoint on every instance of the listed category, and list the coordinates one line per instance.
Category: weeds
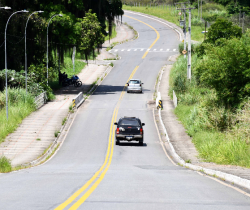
(64, 120)
(5, 165)
(56, 133)
(111, 64)
(71, 110)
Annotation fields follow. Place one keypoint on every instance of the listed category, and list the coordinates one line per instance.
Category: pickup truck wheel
(141, 142)
(117, 142)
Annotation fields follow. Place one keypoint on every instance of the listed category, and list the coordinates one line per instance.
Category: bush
(213, 15)
(195, 21)
(223, 28)
(5, 165)
(212, 7)
(227, 70)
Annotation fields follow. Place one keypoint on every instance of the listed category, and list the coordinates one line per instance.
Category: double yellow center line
(92, 184)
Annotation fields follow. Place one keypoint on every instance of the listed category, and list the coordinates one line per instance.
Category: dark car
(129, 129)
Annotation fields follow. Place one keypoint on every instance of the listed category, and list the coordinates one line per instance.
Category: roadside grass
(20, 106)
(173, 17)
(68, 66)
(5, 165)
(220, 135)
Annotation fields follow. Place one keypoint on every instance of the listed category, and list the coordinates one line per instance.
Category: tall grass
(219, 134)
(68, 66)
(113, 34)
(20, 106)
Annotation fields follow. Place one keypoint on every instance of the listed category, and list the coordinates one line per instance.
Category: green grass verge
(20, 106)
(220, 135)
(173, 17)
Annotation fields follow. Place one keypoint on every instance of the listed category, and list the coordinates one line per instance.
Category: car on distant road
(129, 129)
(134, 85)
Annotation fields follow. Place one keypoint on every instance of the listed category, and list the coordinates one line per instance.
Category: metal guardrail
(78, 100)
(41, 100)
(175, 99)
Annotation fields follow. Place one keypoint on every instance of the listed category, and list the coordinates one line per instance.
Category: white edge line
(225, 176)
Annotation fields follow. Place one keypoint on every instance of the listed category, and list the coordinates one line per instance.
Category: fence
(41, 100)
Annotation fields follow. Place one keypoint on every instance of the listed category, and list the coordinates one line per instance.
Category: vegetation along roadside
(214, 106)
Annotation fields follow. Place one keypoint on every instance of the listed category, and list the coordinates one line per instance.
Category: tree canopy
(82, 25)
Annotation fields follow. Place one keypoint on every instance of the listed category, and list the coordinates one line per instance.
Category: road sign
(184, 52)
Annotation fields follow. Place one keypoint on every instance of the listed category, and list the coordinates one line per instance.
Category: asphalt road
(133, 176)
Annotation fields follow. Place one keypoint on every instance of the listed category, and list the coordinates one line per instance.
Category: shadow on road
(101, 90)
(134, 144)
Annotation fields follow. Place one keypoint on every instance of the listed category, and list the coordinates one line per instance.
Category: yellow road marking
(109, 154)
(84, 187)
(94, 186)
(158, 35)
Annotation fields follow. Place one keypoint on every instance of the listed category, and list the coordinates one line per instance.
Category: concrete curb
(218, 174)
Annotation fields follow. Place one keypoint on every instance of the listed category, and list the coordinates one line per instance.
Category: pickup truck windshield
(128, 122)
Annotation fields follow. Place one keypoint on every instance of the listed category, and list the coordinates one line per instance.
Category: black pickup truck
(129, 129)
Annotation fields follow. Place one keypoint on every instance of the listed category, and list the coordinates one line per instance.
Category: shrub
(223, 28)
(5, 165)
(227, 70)
(212, 7)
(195, 21)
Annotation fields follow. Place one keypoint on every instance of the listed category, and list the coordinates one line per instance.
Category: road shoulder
(180, 146)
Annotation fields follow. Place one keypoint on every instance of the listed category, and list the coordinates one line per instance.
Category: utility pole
(243, 21)
(189, 42)
(201, 9)
(239, 16)
(184, 27)
(198, 8)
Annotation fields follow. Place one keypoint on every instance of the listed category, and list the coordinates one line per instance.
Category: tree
(223, 28)
(227, 69)
(63, 32)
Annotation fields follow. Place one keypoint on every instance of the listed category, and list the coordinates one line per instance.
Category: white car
(134, 85)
